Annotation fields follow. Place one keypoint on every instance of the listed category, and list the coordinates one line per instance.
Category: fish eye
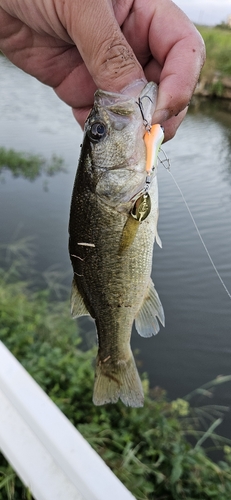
(97, 131)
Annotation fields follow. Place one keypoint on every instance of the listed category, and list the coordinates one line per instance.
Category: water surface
(195, 345)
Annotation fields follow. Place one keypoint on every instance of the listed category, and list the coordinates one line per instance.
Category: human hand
(76, 47)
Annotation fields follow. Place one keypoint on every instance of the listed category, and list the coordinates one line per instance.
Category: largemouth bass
(113, 226)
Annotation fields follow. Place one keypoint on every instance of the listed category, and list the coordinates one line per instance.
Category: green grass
(218, 48)
(147, 448)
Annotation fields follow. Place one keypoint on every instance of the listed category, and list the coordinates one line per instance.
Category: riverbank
(217, 86)
(215, 79)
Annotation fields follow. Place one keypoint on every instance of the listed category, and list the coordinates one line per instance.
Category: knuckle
(116, 60)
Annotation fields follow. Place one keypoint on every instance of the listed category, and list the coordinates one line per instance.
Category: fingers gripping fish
(113, 226)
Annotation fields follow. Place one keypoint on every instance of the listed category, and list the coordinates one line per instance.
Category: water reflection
(28, 166)
(218, 111)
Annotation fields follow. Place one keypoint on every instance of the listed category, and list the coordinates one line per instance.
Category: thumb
(107, 55)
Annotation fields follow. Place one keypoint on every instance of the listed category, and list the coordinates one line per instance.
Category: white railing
(44, 448)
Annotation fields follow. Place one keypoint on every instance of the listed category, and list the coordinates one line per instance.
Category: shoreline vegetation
(160, 451)
(164, 450)
(215, 79)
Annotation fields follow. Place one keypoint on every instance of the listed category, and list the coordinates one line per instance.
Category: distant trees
(225, 25)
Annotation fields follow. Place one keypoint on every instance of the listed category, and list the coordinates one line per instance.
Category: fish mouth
(123, 103)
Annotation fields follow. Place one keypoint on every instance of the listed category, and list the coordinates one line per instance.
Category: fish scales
(111, 282)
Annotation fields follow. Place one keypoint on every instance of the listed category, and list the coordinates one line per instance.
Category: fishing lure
(153, 139)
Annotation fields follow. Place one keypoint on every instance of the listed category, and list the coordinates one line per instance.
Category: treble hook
(140, 104)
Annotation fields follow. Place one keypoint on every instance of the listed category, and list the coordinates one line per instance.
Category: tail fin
(118, 381)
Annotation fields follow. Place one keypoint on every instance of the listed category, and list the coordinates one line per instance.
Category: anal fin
(158, 240)
(146, 320)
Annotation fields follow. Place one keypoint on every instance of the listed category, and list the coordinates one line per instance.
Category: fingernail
(184, 108)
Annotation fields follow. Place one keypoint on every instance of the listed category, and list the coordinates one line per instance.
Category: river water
(195, 345)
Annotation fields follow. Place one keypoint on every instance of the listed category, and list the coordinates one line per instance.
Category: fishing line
(165, 162)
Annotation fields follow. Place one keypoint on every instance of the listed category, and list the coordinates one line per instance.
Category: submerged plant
(29, 166)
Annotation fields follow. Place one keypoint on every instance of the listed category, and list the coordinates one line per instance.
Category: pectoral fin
(146, 320)
(129, 232)
(78, 307)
